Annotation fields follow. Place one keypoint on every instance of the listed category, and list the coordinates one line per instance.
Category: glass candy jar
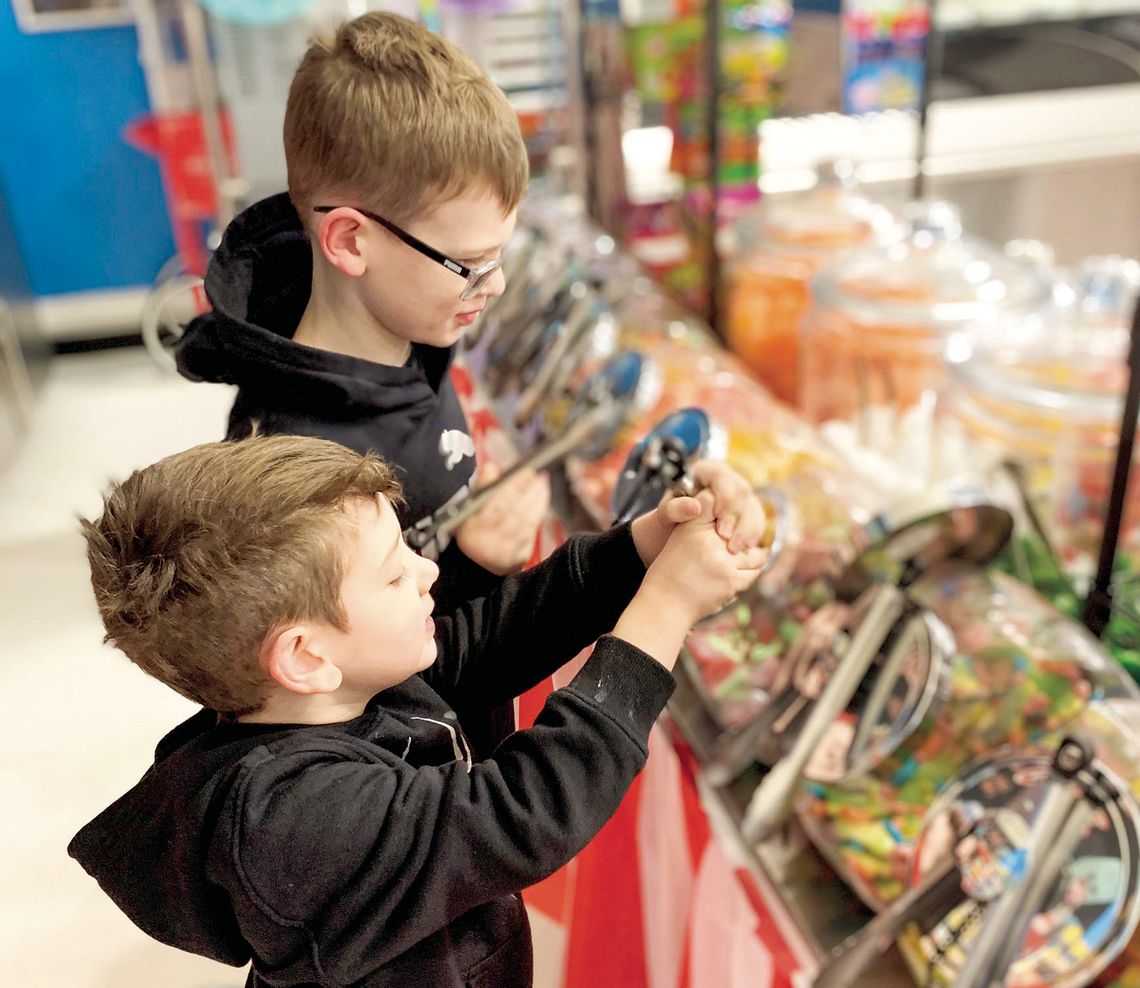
(873, 340)
(777, 247)
(1046, 392)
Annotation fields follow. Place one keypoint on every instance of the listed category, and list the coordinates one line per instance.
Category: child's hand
(740, 517)
(694, 575)
(500, 536)
(697, 571)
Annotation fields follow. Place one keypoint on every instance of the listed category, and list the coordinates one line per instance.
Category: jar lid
(1068, 357)
(935, 275)
(983, 818)
(833, 216)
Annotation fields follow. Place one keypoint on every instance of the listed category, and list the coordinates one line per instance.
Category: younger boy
(323, 814)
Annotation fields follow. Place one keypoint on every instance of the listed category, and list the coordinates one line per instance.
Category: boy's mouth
(467, 318)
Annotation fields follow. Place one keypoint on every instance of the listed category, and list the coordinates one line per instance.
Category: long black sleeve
(338, 861)
(495, 648)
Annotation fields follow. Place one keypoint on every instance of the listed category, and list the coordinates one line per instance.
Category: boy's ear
(339, 238)
(294, 658)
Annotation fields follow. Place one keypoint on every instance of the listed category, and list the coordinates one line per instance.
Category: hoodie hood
(258, 284)
(147, 850)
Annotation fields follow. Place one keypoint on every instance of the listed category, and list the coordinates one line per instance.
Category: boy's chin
(444, 338)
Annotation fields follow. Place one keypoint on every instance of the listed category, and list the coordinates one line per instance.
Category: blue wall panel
(88, 211)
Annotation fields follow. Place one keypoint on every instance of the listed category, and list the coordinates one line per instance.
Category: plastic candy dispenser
(1026, 870)
(843, 692)
(1019, 673)
(778, 246)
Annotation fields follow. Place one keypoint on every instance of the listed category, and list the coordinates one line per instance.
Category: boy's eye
(478, 262)
(403, 577)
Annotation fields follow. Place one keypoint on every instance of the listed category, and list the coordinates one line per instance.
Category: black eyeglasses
(476, 277)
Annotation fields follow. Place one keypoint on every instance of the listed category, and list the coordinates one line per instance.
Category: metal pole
(209, 105)
(1098, 605)
(576, 95)
(932, 65)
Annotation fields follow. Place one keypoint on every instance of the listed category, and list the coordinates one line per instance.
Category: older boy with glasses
(336, 307)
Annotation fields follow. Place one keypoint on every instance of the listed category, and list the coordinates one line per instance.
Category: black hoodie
(375, 852)
(258, 284)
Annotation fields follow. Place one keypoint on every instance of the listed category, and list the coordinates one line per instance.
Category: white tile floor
(79, 723)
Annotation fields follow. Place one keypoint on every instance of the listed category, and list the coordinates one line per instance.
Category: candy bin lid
(935, 275)
(983, 819)
(831, 216)
(1107, 286)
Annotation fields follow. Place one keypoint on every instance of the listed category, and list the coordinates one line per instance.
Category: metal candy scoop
(560, 343)
(599, 412)
(974, 532)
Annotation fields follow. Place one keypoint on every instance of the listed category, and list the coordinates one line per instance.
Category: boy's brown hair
(390, 116)
(197, 558)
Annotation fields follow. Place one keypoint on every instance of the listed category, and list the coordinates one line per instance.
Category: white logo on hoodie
(454, 445)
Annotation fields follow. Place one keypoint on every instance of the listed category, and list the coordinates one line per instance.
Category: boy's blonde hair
(197, 558)
(392, 117)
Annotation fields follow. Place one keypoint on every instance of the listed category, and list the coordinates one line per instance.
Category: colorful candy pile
(739, 652)
(1021, 672)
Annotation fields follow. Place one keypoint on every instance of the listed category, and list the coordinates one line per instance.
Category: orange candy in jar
(779, 245)
(873, 341)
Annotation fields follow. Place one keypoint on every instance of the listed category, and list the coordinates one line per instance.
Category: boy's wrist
(656, 622)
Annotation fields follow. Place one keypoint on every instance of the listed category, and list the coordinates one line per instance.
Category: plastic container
(778, 246)
(1020, 672)
(880, 316)
(984, 818)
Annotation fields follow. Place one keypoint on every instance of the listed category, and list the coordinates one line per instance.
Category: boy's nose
(496, 284)
(429, 573)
